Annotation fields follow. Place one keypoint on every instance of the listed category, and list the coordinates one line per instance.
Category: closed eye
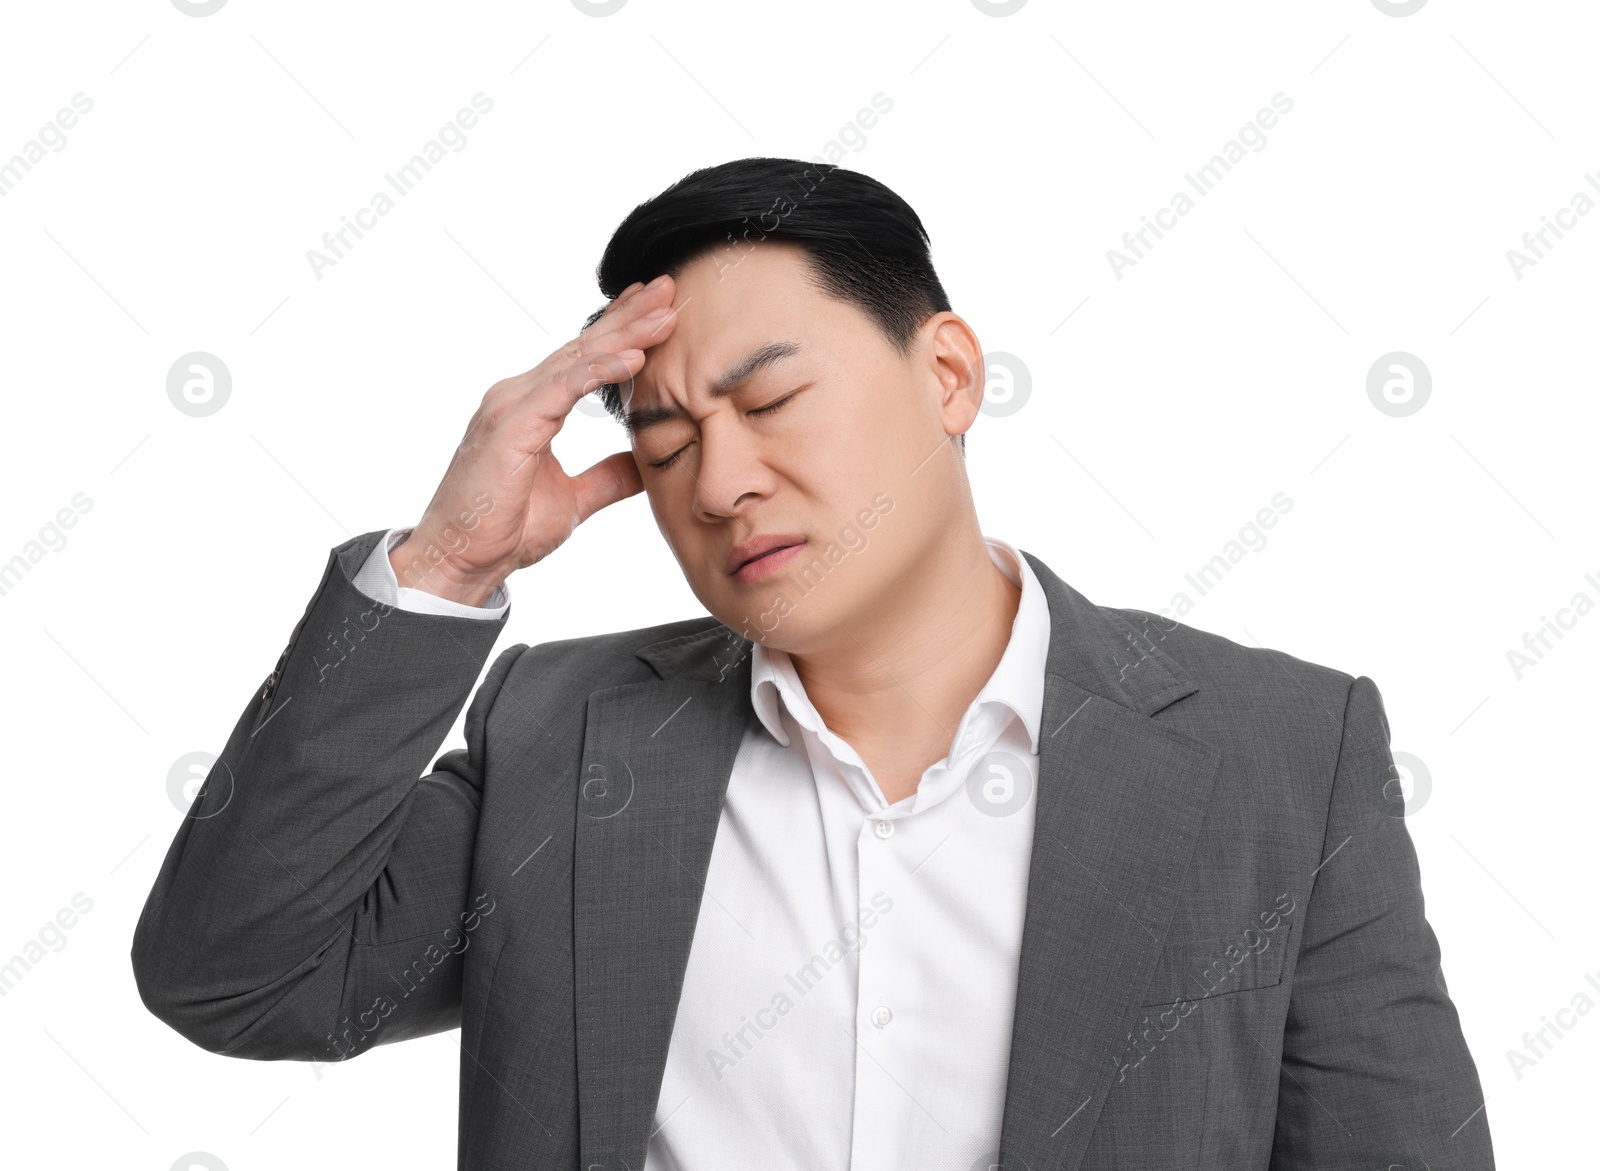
(670, 460)
(677, 455)
(770, 407)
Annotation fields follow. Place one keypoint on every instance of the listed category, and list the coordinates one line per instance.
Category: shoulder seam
(1333, 780)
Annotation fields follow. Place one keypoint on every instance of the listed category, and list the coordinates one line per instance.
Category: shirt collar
(1017, 682)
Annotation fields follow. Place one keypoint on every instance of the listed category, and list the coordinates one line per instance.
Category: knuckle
(579, 375)
(490, 414)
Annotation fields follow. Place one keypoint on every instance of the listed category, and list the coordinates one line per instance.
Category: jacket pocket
(1204, 969)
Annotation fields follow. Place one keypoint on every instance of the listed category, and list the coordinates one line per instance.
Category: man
(906, 856)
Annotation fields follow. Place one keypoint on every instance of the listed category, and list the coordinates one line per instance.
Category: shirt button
(883, 828)
(881, 1016)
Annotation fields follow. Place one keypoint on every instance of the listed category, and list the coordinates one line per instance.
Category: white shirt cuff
(376, 579)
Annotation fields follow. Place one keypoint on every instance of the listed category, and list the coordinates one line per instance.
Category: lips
(759, 547)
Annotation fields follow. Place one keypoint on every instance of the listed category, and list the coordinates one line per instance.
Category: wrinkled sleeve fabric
(1376, 1071)
(376, 579)
(315, 898)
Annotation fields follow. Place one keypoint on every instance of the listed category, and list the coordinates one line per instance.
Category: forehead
(737, 312)
(643, 414)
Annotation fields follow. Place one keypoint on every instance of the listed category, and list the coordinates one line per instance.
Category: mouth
(763, 557)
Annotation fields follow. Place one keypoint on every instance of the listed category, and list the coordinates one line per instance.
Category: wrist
(421, 565)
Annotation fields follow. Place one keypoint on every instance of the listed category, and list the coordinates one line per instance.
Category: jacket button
(272, 682)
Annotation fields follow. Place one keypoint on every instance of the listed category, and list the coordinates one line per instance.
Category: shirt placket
(876, 1139)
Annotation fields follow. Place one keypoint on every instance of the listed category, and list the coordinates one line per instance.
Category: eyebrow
(739, 373)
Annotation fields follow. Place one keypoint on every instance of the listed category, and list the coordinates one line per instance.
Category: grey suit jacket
(1224, 964)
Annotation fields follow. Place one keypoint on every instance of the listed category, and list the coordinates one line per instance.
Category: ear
(957, 360)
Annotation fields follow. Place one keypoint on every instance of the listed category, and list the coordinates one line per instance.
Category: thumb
(612, 479)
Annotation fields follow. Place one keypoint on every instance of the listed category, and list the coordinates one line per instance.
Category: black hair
(863, 244)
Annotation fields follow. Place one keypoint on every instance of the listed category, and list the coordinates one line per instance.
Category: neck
(903, 676)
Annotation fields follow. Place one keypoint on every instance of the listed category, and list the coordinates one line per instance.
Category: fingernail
(661, 312)
(657, 281)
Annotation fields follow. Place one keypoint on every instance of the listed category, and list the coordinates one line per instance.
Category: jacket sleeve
(1375, 1070)
(316, 901)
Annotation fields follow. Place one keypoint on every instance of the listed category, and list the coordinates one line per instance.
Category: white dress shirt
(377, 580)
(852, 977)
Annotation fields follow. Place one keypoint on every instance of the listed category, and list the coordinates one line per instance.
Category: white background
(1167, 407)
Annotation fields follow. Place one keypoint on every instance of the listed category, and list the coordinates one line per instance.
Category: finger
(600, 335)
(634, 326)
(612, 479)
(623, 300)
(639, 326)
(556, 397)
(629, 307)
(610, 366)
(622, 297)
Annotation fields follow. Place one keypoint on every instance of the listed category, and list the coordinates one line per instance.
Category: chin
(769, 619)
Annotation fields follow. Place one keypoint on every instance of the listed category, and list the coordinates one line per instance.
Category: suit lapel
(657, 758)
(1121, 800)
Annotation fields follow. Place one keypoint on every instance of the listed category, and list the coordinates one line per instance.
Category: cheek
(660, 511)
(842, 456)
(672, 518)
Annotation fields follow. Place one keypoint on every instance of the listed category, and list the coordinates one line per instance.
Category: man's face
(818, 445)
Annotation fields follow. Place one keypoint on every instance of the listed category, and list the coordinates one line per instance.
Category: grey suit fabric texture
(1225, 960)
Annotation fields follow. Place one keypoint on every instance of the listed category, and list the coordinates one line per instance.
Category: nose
(731, 473)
